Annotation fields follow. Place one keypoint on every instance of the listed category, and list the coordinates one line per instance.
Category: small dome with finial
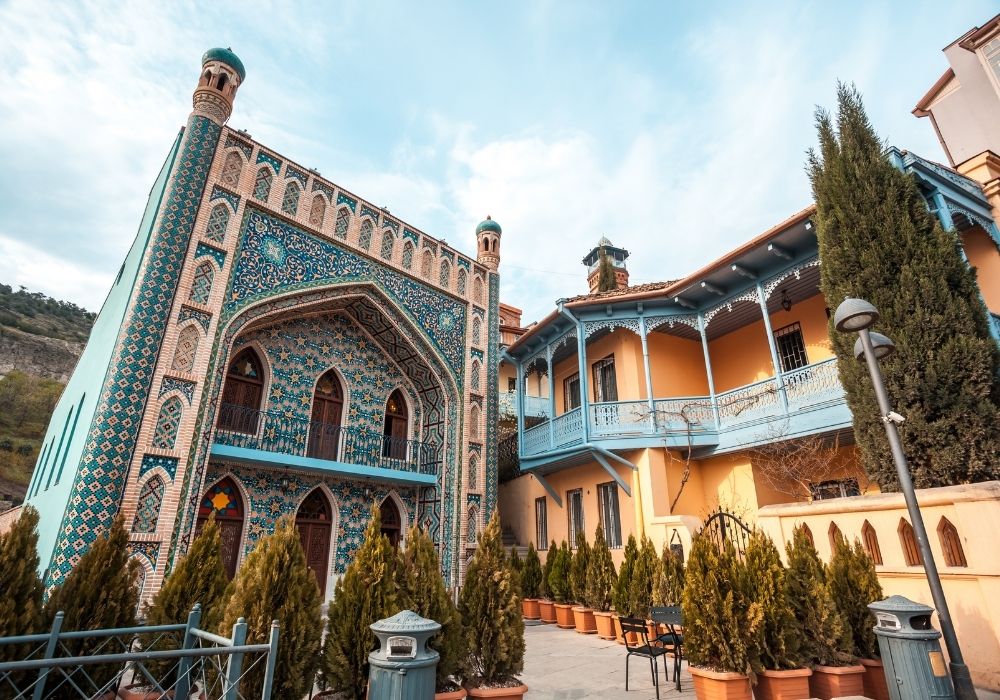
(488, 225)
(228, 57)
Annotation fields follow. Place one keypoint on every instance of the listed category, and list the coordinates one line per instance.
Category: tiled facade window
(407, 255)
(477, 331)
(461, 282)
(262, 184)
(148, 510)
(388, 244)
(218, 220)
(426, 263)
(201, 287)
(290, 202)
(187, 348)
(343, 222)
(445, 274)
(473, 470)
(365, 237)
(167, 424)
(474, 379)
(473, 526)
(474, 429)
(477, 290)
(231, 170)
(317, 211)
(541, 524)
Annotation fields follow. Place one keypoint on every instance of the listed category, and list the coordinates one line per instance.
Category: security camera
(894, 417)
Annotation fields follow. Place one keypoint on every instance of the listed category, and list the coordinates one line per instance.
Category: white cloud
(57, 277)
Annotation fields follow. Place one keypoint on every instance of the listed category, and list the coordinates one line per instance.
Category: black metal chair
(672, 640)
(637, 626)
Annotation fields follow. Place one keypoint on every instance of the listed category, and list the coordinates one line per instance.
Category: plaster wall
(966, 114)
(677, 366)
(985, 257)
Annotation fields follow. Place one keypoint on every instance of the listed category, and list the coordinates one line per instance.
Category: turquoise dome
(488, 225)
(229, 58)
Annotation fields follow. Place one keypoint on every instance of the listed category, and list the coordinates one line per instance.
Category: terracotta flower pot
(719, 685)
(529, 609)
(783, 685)
(618, 628)
(829, 682)
(515, 693)
(547, 611)
(584, 620)
(605, 622)
(451, 695)
(564, 616)
(874, 679)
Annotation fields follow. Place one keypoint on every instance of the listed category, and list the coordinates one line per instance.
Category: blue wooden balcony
(534, 406)
(275, 440)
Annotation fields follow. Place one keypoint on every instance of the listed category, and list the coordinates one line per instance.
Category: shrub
(825, 638)
(779, 633)
(21, 602)
(422, 590)
(578, 569)
(620, 596)
(365, 594)
(559, 583)
(853, 584)
(550, 561)
(275, 583)
(668, 579)
(721, 623)
(491, 613)
(517, 568)
(531, 575)
(601, 577)
(640, 590)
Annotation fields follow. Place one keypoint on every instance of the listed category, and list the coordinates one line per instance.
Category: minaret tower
(488, 237)
(222, 73)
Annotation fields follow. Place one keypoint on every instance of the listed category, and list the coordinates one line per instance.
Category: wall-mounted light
(286, 483)
(786, 303)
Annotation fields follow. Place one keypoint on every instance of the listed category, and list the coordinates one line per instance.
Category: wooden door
(396, 430)
(328, 404)
(223, 499)
(241, 395)
(314, 524)
(391, 522)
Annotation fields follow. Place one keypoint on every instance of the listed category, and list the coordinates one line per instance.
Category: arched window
(218, 220)
(343, 222)
(222, 82)
(445, 273)
(148, 509)
(836, 537)
(290, 202)
(396, 430)
(427, 263)
(365, 237)
(167, 423)
(477, 330)
(474, 419)
(201, 286)
(477, 290)
(474, 379)
(461, 282)
(392, 523)
(187, 348)
(809, 534)
(317, 211)
(870, 540)
(232, 169)
(472, 529)
(407, 255)
(473, 470)
(262, 184)
(328, 407)
(388, 243)
(951, 543)
(313, 521)
(224, 500)
(206, 78)
(241, 394)
(907, 540)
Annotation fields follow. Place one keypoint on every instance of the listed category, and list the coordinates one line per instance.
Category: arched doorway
(241, 395)
(328, 406)
(396, 430)
(391, 522)
(224, 500)
(314, 521)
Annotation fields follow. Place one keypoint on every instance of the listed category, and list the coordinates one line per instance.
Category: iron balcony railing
(761, 401)
(239, 426)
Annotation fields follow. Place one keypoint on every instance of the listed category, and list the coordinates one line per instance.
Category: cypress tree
(366, 593)
(640, 590)
(620, 596)
(275, 583)
(559, 583)
(853, 585)
(531, 575)
(825, 638)
(517, 568)
(578, 569)
(779, 632)
(668, 579)
(21, 602)
(422, 590)
(491, 612)
(879, 242)
(550, 561)
(606, 280)
(601, 576)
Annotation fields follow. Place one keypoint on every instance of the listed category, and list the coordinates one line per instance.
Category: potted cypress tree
(620, 596)
(668, 579)
(583, 614)
(826, 641)
(21, 607)
(546, 606)
(422, 590)
(853, 584)
(275, 583)
(531, 581)
(721, 623)
(559, 585)
(517, 568)
(601, 579)
(640, 594)
(781, 675)
(491, 614)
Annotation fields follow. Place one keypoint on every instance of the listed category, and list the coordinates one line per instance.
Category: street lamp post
(859, 315)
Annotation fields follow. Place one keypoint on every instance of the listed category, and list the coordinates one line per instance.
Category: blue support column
(519, 395)
(708, 369)
(581, 348)
(649, 375)
(941, 209)
(552, 395)
(774, 349)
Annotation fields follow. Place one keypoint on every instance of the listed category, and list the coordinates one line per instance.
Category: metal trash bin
(915, 668)
(403, 668)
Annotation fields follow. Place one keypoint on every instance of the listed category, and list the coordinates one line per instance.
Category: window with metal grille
(605, 381)
(541, 524)
(574, 512)
(571, 391)
(835, 488)
(791, 349)
(611, 521)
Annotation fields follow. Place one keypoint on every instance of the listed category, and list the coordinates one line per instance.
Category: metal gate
(722, 526)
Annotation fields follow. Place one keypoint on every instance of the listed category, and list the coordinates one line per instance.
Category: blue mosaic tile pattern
(232, 142)
(97, 487)
(276, 257)
(412, 235)
(148, 550)
(445, 253)
(220, 193)
(389, 223)
(476, 353)
(319, 186)
(185, 387)
(147, 510)
(291, 171)
(492, 400)
(462, 262)
(202, 318)
(349, 201)
(368, 211)
(219, 256)
(167, 464)
(263, 157)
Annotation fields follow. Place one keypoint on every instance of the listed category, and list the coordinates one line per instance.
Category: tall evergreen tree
(550, 561)
(879, 242)
(640, 592)
(559, 581)
(668, 579)
(601, 576)
(780, 633)
(21, 600)
(607, 281)
(620, 595)
(578, 569)
(275, 583)
(854, 584)
(531, 574)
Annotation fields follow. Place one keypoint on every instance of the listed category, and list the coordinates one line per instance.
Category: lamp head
(854, 315)
(881, 344)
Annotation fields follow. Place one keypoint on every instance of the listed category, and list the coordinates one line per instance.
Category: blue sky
(677, 129)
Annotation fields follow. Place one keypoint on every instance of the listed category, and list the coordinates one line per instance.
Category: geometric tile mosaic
(218, 255)
(167, 464)
(185, 387)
